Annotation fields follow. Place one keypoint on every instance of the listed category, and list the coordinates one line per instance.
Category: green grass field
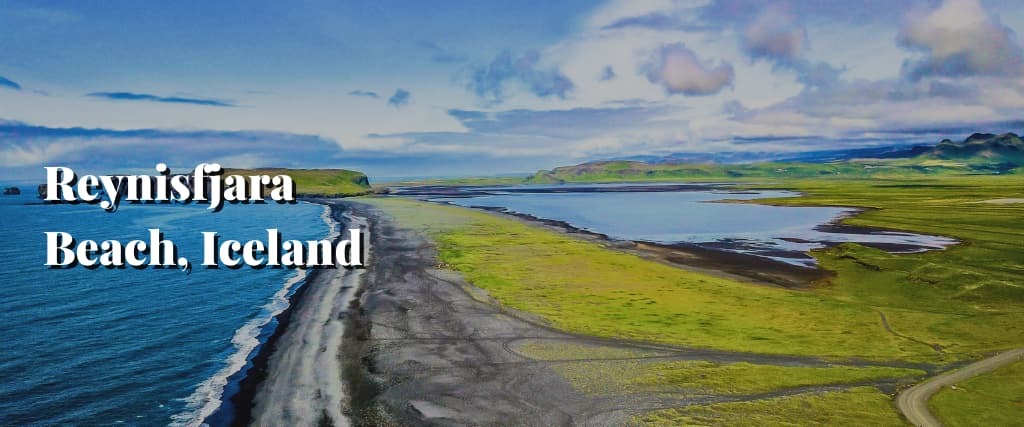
(948, 297)
(583, 287)
(324, 182)
(942, 306)
(609, 371)
(862, 406)
(993, 399)
(624, 171)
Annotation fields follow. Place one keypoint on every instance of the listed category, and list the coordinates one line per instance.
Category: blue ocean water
(146, 347)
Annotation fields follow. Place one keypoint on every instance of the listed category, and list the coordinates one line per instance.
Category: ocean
(127, 346)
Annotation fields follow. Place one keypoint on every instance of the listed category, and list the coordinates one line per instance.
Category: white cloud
(960, 38)
(774, 35)
(678, 69)
(781, 63)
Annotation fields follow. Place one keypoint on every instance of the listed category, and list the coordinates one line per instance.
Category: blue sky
(486, 87)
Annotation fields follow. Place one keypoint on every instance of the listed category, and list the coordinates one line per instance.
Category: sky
(454, 88)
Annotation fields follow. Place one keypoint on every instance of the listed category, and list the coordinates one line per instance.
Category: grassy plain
(750, 378)
(938, 306)
(861, 406)
(467, 181)
(607, 370)
(583, 287)
(993, 399)
(953, 298)
(324, 182)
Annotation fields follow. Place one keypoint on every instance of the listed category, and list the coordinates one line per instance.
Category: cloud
(959, 38)
(678, 69)
(653, 20)
(364, 93)
(774, 35)
(27, 146)
(568, 124)
(400, 98)
(539, 138)
(816, 74)
(866, 108)
(783, 65)
(131, 96)
(50, 16)
(488, 82)
(675, 19)
(734, 109)
(439, 54)
(722, 13)
(607, 73)
(10, 84)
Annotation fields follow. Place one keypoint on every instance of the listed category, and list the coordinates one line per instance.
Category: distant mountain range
(980, 153)
(880, 152)
(976, 144)
(1006, 149)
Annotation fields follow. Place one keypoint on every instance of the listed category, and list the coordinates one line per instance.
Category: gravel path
(913, 402)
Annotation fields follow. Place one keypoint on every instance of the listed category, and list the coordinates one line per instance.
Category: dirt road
(913, 402)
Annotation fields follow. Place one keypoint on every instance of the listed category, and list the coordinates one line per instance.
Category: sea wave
(206, 398)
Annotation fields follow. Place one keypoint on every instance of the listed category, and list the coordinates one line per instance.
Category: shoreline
(303, 383)
(723, 259)
(241, 401)
(238, 409)
(216, 394)
(715, 259)
(688, 256)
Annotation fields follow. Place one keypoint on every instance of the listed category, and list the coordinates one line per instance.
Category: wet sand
(296, 376)
(303, 382)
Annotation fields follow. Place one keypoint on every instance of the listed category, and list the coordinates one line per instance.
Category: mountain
(981, 153)
(1007, 148)
(881, 152)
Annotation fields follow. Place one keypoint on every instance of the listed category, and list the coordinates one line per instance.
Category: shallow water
(690, 213)
(110, 346)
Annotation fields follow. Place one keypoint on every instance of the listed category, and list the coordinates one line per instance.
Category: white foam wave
(326, 216)
(207, 396)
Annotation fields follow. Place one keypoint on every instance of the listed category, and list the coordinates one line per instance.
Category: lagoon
(687, 213)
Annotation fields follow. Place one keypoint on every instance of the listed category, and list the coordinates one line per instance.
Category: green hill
(317, 182)
(978, 154)
(980, 149)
